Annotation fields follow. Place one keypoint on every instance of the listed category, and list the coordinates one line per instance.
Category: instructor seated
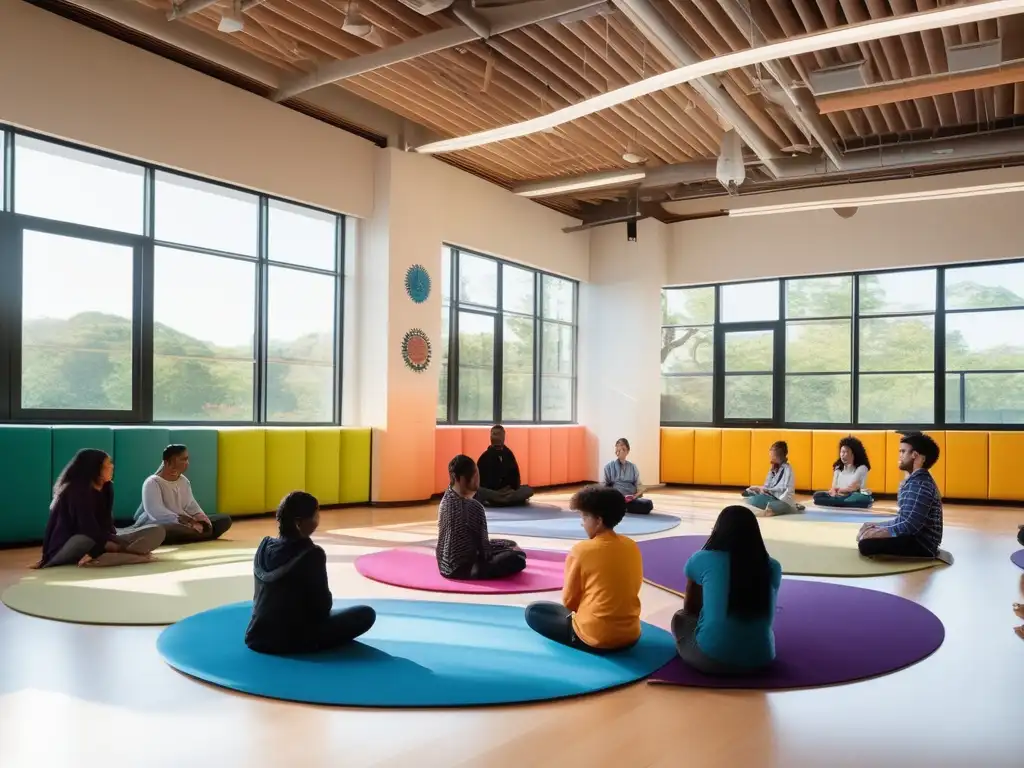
(623, 476)
(499, 474)
(167, 501)
(464, 550)
(917, 529)
(849, 478)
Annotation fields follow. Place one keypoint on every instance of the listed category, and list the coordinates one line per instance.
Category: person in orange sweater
(603, 576)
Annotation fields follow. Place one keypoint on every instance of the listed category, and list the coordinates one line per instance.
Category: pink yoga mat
(416, 568)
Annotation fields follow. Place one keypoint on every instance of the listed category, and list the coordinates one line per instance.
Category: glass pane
(687, 350)
(203, 356)
(556, 354)
(76, 331)
(748, 397)
(818, 399)
(821, 346)
(897, 344)
(517, 287)
(446, 275)
(686, 398)
(953, 398)
(749, 351)
(557, 296)
(993, 285)
(992, 341)
(300, 346)
(204, 215)
(688, 306)
(303, 236)
(897, 292)
(517, 369)
(57, 182)
(902, 398)
(3, 160)
(476, 367)
(819, 297)
(556, 398)
(478, 280)
(747, 302)
(442, 384)
(991, 398)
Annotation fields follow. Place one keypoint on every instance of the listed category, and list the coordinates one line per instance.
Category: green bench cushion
(25, 504)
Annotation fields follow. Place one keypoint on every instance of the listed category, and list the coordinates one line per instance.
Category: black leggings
(639, 507)
(340, 628)
(554, 621)
(1020, 536)
(893, 546)
(505, 562)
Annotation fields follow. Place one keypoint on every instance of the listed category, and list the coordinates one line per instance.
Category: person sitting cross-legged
(600, 608)
(777, 495)
(500, 484)
(623, 476)
(167, 501)
(917, 529)
(849, 478)
(464, 550)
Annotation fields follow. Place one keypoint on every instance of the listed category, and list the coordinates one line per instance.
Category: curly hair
(600, 501)
(860, 454)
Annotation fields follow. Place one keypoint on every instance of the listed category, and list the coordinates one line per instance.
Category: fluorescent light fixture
(577, 183)
(232, 19)
(852, 34)
(860, 202)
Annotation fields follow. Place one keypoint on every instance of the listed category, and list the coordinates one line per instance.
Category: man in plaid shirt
(917, 529)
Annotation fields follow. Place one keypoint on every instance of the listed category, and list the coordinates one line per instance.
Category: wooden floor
(83, 696)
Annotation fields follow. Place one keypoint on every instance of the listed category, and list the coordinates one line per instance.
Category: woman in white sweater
(778, 494)
(849, 478)
(167, 501)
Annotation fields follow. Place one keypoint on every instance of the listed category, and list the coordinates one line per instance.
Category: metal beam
(653, 26)
(187, 8)
(498, 20)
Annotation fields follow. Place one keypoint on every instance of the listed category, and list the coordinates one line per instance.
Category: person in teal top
(725, 625)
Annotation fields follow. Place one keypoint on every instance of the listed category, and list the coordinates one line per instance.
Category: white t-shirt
(852, 476)
(164, 501)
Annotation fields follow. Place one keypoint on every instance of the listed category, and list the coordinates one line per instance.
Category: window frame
(498, 313)
(143, 292)
(939, 372)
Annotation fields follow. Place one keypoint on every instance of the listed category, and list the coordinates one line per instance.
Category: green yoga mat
(182, 581)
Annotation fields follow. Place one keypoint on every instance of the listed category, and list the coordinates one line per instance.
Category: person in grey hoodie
(778, 494)
(291, 609)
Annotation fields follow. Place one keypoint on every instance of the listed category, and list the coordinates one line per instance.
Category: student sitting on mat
(291, 608)
(725, 625)
(777, 495)
(167, 501)
(464, 550)
(917, 529)
(600, 608)
(849, 479)
(624, 477)
(81, 525)
(500, 484)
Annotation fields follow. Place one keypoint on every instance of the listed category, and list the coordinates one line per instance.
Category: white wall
(62, 79)
(877, 237)
(619, 389)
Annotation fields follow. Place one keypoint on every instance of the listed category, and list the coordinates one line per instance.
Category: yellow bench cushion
(968, 452)
(1004, 451)
(354, 463)
(676, 455)
(707, 456)
(241, 471)
(736, 457)
(286, 465)
(323, 464)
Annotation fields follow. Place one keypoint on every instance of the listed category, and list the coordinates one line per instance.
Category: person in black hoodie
(499, 474)
(291, 607)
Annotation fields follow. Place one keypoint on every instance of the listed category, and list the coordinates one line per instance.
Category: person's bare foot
(769, 512)
(1018, 608)
(1019, 631)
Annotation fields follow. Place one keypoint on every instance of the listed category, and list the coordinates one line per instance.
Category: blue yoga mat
(839, 516)
(569, 527)
(526, 512)
(418, 654)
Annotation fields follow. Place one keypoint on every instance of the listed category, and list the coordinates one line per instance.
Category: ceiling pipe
(653, 26)
(802, 109)
(187, 8)
(498, 21)
(464, 12)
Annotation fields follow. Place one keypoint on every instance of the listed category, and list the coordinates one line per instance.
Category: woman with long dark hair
(725, 625)
(81, 525)
(291, 607)
(849, 478)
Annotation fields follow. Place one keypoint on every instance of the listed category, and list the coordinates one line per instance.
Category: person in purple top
(81, 525)
(917, 529)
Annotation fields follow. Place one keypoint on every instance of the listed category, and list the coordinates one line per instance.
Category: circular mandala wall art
(416, 350)
(417, 283)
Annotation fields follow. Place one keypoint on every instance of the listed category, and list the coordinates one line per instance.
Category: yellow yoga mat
(182, 581)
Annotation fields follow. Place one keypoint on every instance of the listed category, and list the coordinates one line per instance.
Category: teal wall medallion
(416, 350)
(417, 283)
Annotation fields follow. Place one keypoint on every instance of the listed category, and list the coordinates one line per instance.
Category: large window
(927, 347)
(508, 342)
(138, 295)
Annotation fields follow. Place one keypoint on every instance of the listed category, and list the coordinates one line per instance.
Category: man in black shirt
(499, 474)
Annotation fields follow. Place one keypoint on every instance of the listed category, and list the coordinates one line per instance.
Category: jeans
(856, 500)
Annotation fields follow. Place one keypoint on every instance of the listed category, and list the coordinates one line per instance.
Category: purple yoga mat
(1017, 558)
(416, 568)
(665, 558)
(830, 633)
